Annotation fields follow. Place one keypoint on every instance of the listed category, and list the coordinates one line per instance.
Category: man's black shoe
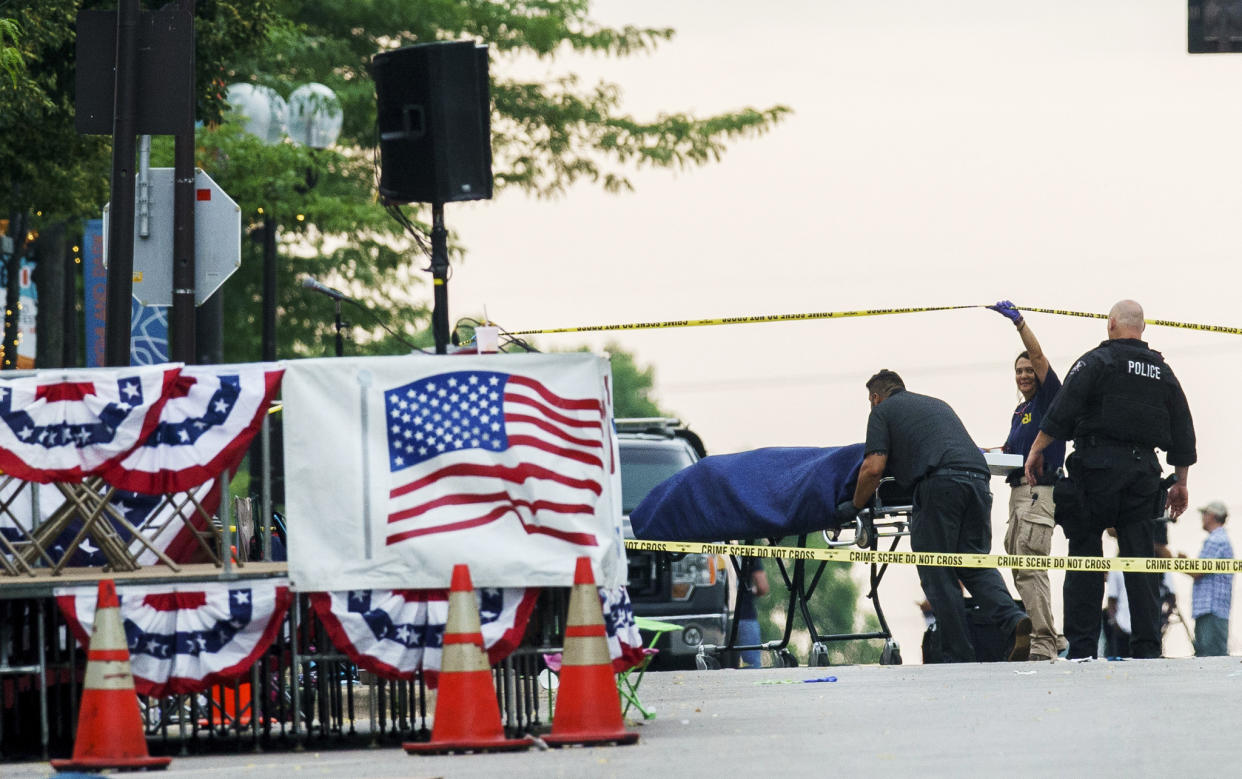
(1021, 641)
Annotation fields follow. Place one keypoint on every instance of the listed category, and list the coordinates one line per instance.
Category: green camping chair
(629, 681)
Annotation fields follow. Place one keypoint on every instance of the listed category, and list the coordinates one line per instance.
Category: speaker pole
(439, 276)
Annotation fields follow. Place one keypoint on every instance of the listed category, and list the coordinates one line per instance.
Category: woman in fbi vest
(1029, 531)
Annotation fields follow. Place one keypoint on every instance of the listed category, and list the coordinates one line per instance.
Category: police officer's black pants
(1084, 594)
(1120, 488)
(953, 514)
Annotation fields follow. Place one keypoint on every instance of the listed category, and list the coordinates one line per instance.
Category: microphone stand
(340, 339)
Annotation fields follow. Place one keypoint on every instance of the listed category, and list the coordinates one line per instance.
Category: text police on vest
(1145, 369)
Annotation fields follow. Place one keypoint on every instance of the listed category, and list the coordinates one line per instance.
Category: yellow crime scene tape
(763, 318)
(743, 320)
(1159, 322)
(950, 560)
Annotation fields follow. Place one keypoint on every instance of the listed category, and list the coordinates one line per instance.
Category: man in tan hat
(1212, 596)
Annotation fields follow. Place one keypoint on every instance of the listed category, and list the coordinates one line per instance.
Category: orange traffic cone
(467, 713)
(588, 708)
(109, 725)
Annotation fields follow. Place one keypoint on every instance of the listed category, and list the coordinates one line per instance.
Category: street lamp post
(311, 117)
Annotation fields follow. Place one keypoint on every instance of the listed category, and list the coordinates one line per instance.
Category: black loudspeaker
(434, 113)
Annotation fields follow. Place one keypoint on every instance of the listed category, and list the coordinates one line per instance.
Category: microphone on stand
(324, 289)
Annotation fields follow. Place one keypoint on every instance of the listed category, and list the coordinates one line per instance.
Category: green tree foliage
(45, 165)
(11, 62)
(633, 384)
(546, 136)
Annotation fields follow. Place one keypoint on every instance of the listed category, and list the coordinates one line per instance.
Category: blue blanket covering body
(764, 493)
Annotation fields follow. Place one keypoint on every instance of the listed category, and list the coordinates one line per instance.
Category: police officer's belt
(957, 472)
(1015, 477)
(1099, 440)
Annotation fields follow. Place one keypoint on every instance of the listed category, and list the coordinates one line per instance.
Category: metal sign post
(217, 243)
(134, 75)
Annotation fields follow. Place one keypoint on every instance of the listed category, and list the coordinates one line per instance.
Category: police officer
(1119, 402)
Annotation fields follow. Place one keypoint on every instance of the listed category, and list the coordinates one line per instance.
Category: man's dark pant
(1120, 489)
(953, 514)
(1211, 636)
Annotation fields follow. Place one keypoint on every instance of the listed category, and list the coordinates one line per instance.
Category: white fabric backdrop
(398, 468)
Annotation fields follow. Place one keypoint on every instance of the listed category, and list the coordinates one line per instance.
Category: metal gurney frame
(879, 521)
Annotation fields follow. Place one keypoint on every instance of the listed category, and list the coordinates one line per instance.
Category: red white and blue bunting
(185, 638)
(149, 429)
(206, 426)
(625, 643)
(395, 633)
(65, 425)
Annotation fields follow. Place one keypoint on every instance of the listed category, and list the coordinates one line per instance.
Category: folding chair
(629, 681)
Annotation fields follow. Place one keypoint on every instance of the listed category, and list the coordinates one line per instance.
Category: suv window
(644, 465)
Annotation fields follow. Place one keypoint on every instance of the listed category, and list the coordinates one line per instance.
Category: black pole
(12, 273)
(71, 323)
(439, 278)
(209, 328)
(184, 343)
(269, 288)
(120, 285)
(340, 338)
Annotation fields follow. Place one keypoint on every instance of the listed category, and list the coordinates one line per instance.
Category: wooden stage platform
(42, 583)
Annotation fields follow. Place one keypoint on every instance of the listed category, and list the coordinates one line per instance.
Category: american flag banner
(184, 638)
(64, 425)
(205, 427)
(398, 468)
(445, 433)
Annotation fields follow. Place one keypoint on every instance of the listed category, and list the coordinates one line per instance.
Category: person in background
(1212, 596)
(752, 584)
(922, 444)
(1031, 523)
(1116, 633)
(1119, 403)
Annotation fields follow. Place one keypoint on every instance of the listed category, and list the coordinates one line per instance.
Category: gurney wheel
(891, 654)
(706, 663)
(862, 534)
(787, 659)
(819, 656)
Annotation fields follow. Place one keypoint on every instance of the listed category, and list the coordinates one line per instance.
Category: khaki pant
(1030, 533)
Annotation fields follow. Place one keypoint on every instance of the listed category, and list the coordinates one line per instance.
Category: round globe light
(315, 116)
(261, 110)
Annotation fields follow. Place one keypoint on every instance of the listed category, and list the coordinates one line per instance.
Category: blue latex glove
(1007, 310)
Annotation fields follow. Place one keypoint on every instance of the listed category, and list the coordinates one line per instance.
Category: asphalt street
(1100, 718)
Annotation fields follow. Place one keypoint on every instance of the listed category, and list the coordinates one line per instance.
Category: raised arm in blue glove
(1009, 311)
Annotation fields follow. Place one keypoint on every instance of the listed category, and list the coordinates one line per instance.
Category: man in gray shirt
(921, 443)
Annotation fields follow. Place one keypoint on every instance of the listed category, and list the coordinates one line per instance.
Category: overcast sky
(1060, 154)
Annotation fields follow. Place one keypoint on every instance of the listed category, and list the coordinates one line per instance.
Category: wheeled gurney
(773, 494)
(883, 523)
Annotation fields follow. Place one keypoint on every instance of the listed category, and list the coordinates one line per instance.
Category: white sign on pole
(217, 240)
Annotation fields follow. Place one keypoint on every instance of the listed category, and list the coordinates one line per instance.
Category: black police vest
(1132, 397)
